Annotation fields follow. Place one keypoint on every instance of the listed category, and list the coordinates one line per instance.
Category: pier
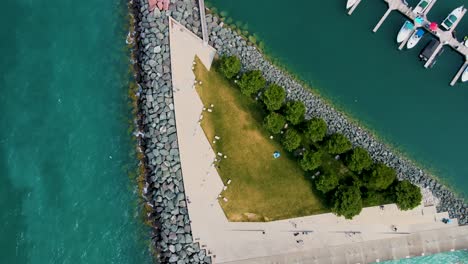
(459, 73)
(351, 10)
(444, 37)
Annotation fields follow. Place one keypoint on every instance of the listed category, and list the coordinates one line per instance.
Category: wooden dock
(459, 73)
(402, 45)
(382, 20)
(445, 37)
(351, 10)
(433, 56)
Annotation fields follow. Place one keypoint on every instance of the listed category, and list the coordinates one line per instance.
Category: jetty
(444, 37)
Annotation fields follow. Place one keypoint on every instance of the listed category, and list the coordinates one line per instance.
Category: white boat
(405, 31)
(453, 17)
(464, 77)
(422, 6)
(350, 3)
(415, 38)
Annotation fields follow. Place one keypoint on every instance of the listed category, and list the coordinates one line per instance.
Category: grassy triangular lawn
(262, 188)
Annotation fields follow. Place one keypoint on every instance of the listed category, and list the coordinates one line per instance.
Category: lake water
(455, 257)
(365, 74)
(67, 192)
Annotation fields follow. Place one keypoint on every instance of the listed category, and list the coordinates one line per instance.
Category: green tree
(326, 182)
(229, 66)
(311, 160)
(380, 177)
(408, 195)
(337, 144)
(291, 139)
(273, 97)
(274, 122)
(359, 160)
(251, 82)
(316, 129)
(347, 201)
(295, 111)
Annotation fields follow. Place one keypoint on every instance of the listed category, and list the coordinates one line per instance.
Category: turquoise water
(366, 75)
(65, 149)
(456, 257)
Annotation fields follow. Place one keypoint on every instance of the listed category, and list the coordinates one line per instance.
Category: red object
(166, 5)
(160, 5)
(434, 26)
(152, 4)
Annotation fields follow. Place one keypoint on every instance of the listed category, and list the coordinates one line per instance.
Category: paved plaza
(323, 238)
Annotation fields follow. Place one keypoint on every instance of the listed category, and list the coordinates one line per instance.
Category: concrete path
(366, 238)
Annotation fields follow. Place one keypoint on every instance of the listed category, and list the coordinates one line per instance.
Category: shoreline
(133, 91)
(163, 188)
(227, 41)
(396, 149)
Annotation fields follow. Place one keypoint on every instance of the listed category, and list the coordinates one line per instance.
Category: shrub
(315, 130)
(252, 39)
(311, 160)
(291, 139)
(273, 97)
(251, 82)
(408, 195)
(229, 66)
(295, 111)
(274, 122)
(372, 197)
(337, 144)
(380, 177)
(359, 160)
(347, 201)
(326, 182)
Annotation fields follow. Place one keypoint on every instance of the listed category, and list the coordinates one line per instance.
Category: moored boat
(429, 51)
(464, 77)
(415, 38)
(453, 17)
(350, 3)
(405, 31)
(422, 6)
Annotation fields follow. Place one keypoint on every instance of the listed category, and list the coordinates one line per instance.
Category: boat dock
(459, 73)
(445, 37)
(351, 10)
(424, 15)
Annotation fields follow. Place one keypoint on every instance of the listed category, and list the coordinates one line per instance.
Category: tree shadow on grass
(324, 198)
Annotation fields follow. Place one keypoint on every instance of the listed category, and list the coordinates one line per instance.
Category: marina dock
(445, 37)
(351, 10)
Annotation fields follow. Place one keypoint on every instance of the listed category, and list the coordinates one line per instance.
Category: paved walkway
(299, 240)
(429, 242)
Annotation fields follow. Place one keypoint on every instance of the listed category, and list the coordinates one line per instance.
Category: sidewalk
(318, 238)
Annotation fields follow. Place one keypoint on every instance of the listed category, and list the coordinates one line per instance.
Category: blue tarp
(276, 154)
(419, 20)
(409, 25)
(420, 33)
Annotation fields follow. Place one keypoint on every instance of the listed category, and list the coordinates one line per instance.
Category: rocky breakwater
(227, 41)
(164, 189)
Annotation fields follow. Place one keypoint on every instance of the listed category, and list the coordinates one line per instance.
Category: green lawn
(262, 188)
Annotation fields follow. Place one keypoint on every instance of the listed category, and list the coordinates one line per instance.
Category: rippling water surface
(66, 158)
(456, 257)
(365, 74)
